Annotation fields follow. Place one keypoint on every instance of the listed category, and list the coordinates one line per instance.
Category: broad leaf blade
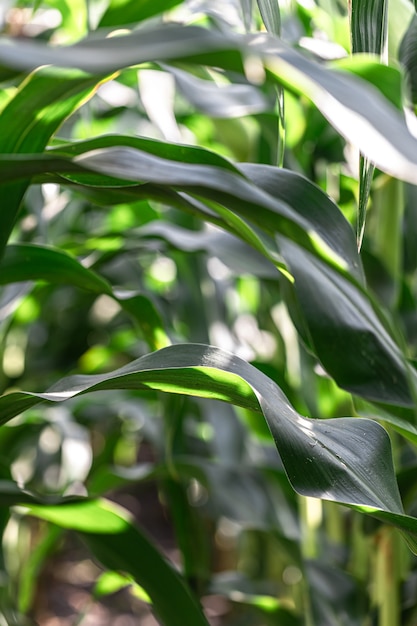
(341, 317)
(356, 110)
(120, 545)
(346, 460)
(53, 96)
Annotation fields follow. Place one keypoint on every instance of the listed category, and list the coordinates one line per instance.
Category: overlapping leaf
(279, 202)
(25, 262)
(42, 103)
(346, 460)
(357, 111)
(120, 545)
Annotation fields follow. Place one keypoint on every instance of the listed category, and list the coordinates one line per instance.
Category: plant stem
(387, 577)
(389, 205)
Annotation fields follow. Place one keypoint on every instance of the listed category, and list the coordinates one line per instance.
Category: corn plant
(207, 237)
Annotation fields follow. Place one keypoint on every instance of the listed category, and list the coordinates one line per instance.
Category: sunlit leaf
(357, 111)
(120, 545)
(346, 460)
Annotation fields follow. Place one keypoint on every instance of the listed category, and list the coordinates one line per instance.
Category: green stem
(389, 207)
(387, 577)
(311, 518)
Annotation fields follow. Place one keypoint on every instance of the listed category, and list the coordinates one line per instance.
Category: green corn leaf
(119, 545)
(368, 25)
(123, 12)
(346, 460)
(53, 95)
(28, 262)
(338, 316)
(408, 56)
(356, 110)
(269, 10)
(218, 183)
(283, 203)
(22, 262)
(225, 101)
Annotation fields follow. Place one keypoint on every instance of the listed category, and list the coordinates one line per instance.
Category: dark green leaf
(346, 460)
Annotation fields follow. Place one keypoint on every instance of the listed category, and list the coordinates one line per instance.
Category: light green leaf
(120, 545)
(123, 12)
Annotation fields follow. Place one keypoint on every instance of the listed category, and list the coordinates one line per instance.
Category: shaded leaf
(28, 262)
(368, 25)
(408, 56)
(341, 317)
(225, 101)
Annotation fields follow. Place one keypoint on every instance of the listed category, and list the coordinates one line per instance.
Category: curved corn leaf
(341, 317)
(280, 203)
(233, 252)
(28, 262)
(347, 460)
(221, 101)
(53, 96)
(120, 545)
(23, 262)
(356, 110)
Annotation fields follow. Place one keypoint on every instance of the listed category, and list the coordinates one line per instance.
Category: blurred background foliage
(202, 477)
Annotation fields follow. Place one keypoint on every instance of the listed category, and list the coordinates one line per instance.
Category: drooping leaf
(233, 252)
(356, 110)
(22, 262)
(221, 101)
(120, 545)
(285, 203)
(340, 317)
(43, 101)
(28, 262)
(346, 460)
